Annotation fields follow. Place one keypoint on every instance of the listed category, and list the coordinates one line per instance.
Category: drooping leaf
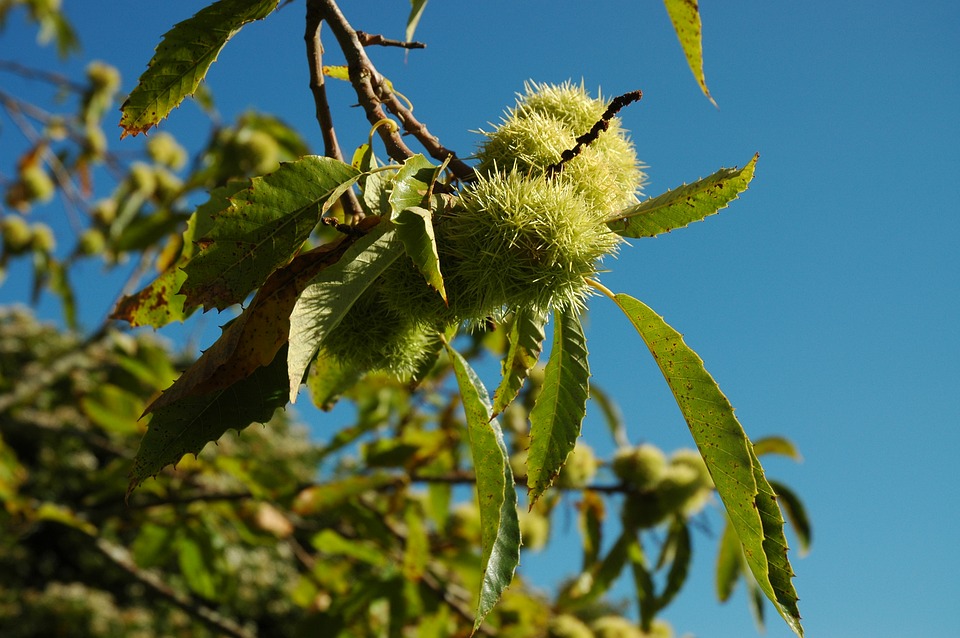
(728, 454)
(685, 16)
(729, 562)
(187, 425)
(592, 510)
(496, 495)
(777, 445)
(796, 514)
(415, 231)
(679, 543)
(594, 583)
(684, 205)
(416, 10)
(262, 229)
(643, 581)
(253, 339)
(558, 413)
(525, 341)
(612, 415)
(413, 183)
(182, 59)
(328, 298)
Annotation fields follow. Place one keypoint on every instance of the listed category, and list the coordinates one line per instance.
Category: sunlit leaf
(187, 425)
(643, 581)
(728, 454)
(416, 11)
(496, 495)
(262, 229)
(592, 513)
(777, 445)
(558, 413)
(729, 562)
(328, 298)
(182, 59)
(415, 231)
(525, 341)
(685, 16)
(611, 414)
(684, 205)
(413, 183)
(679, 543)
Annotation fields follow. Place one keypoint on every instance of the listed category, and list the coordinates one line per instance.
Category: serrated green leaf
(558, 413)
(729, 562)
(187, 425)
(728, 453)
(264, 226)
(777, 445)
(182, 59)
(684, 205)
(413, 183)
(496, 495)
(328, 298)
(685, 16)
(779, 586)
(796, 513)
(416, 11)
(525, 341)
(160, 302)
(415, 231)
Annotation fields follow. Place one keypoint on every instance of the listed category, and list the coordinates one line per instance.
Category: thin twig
(120, 557)
(373, 93)
(370, 39)
(331, 148)
(60, 81)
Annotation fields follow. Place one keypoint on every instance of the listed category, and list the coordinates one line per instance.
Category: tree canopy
(378, 279)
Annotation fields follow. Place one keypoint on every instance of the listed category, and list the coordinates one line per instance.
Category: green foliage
(183, 58)
(355, 278)
(559, 410)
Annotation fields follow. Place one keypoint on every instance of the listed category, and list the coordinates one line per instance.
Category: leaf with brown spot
(252, 340)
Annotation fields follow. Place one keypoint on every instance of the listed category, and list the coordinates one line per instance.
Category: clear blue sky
(826, 302)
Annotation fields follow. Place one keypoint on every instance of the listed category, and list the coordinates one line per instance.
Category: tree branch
(120, 557)
(331, 148)
(373, 94)
(370, 39)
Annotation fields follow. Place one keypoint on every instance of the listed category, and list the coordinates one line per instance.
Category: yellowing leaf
(685, 16)
(684, 205)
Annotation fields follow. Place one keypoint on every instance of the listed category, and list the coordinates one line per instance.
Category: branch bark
(373, 94)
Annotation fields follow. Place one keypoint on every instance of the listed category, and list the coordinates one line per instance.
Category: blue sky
(822, 301)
